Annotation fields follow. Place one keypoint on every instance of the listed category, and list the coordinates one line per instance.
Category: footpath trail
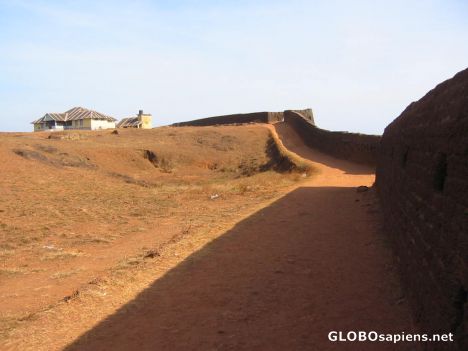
(314, 261)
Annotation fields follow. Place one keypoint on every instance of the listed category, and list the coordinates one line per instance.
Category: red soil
(312, 262)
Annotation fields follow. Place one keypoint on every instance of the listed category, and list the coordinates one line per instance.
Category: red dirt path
(312, 262)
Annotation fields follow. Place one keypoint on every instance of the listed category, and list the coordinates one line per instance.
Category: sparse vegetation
(95, 200)
(286, 159)
(60, 255)
(12, 271)
(65, 274)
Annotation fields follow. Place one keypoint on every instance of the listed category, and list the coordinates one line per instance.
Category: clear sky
(357, 64)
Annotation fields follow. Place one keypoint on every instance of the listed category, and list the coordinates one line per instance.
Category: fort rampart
(240, 118)
(422, 180)
(355, 147)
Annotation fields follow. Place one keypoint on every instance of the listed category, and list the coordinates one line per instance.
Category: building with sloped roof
(75, 118)
(142, 120)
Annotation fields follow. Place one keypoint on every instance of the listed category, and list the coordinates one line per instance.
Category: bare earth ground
(87, 207)
(294, 268)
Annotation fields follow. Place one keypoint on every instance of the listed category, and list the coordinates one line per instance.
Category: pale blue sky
(357, 64)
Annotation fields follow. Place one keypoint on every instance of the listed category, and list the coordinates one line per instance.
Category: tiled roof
(128, 122)
(76, 113)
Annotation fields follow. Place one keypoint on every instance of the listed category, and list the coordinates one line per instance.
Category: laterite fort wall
(422, 180)
(239, 118)
(355, 147)
(255, 117)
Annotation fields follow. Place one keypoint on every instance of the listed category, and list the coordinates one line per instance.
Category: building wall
(81, 124)
(39, 127)
(100, 124)
(87, 124)
(76, 124)
(422, 180)
(146, 121)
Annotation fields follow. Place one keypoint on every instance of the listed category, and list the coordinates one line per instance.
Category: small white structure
(76, 118)
(141, 120)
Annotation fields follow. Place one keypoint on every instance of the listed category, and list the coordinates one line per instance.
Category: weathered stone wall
(239, 118)
(274, 117)
(307, 114)
(422, 180)
(255, 117)
(355, 147)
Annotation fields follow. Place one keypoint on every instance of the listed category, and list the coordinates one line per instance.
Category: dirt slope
(79, 207)
(311, 262)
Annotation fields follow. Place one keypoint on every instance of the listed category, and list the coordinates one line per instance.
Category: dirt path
(312, 262)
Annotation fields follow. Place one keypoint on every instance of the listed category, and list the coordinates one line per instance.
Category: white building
(76, 118)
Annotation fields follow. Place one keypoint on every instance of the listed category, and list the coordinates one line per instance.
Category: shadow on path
(282, 279)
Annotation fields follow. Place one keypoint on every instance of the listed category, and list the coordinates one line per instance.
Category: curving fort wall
(360, 148)
(355, 147)
(239, 118)
(422, 181)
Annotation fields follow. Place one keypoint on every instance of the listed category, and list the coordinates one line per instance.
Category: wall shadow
(293, 142)
(281, 279)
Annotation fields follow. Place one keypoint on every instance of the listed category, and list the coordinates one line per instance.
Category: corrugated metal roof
(76, 113)
(56, 116)
(130, 122)
(38, 120)
(51, 117)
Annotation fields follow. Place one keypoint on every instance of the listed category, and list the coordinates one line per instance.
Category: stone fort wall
(422, 180)
(240, 118)
(355, 147)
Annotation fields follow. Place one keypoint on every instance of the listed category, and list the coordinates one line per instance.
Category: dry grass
(12, 271)
(299, 163)
(96, 201)
(65, 274)
(60, 255)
